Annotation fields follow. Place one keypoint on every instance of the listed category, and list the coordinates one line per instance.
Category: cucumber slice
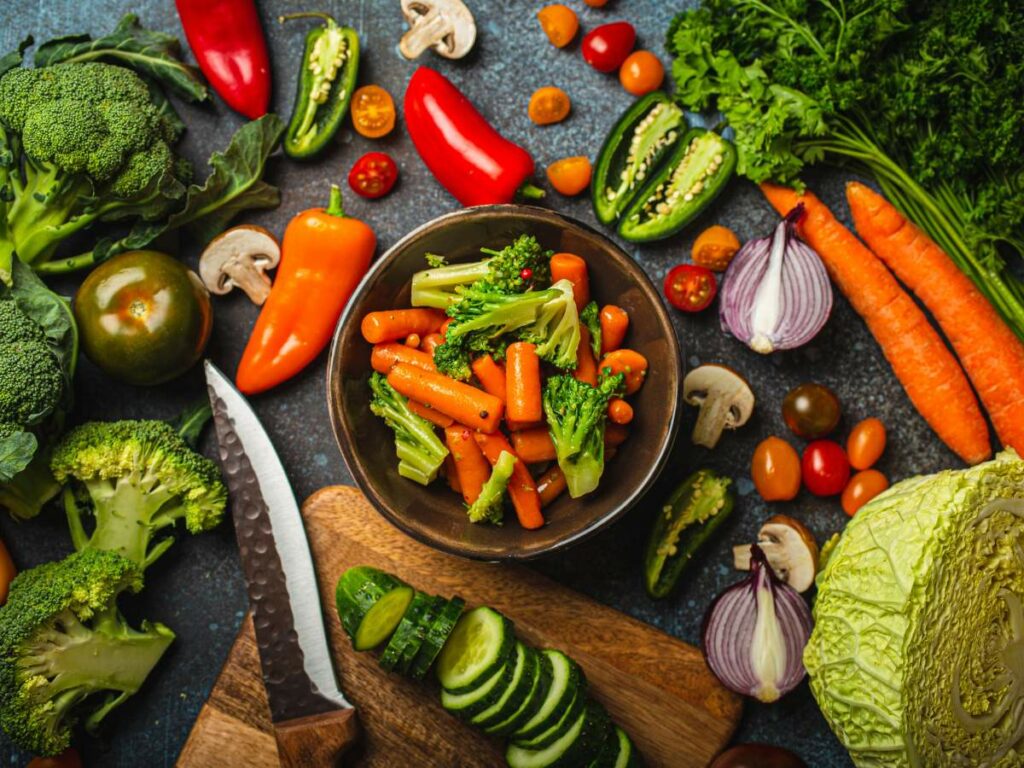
(479, 646)
(577, 747)
(527, 664)
(466, 705)
(419, 634)
(370, 605)
(617, 751)
(534, 699)
(436, 636)
(406, 632)
(567, 680)
(558, 730)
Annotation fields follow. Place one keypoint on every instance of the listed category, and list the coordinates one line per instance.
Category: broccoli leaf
(16, 451)
(50, 312)
(14, 58)
(192, 420)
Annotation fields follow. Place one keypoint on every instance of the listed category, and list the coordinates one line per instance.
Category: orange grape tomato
(775, 470)
(548, 105)
(69, 758)
(862, 488)
(715, 247)
(559, 23)
(570, 175)
(641, 73)
(596, 3)
(630, 364)
(866, 443)
(373, 111)
(7, 572)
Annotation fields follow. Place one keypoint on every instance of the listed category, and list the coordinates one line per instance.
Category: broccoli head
(490, 504)
(15, 325)
(67, 655)
(136, 478)
(556, 332)
(420, 452)
(31, 382)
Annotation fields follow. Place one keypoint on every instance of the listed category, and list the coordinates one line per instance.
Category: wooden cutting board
(656, 687)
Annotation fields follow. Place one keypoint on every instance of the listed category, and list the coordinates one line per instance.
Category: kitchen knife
(313, 722)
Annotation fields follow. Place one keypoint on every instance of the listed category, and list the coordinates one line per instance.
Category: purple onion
(776, 293)
(755, 633)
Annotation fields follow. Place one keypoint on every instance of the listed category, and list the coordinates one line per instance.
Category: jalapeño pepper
(330, 63)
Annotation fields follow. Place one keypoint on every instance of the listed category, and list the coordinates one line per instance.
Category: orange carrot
(614, 436)
(989, 351)
(619, 411)
(534, 445)
(413, 340)
(551, 485)
(614, 324)
(428, 413)
(491, 376)
(395, 324)
(386, 356)
(522, 382)
(518, 426)
(444, 327)
(521, 488)
(471, 468)
(431, 342)
(467, 405)
(631, 364)
(569, 266)
(451, 474)
(924, 366)
(586, 365)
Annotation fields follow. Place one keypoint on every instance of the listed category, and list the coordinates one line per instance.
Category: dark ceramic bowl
(435, 515)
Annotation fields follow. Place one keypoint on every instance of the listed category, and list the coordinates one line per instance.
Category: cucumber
(406, 631)
(479, 646)
(370, 605)
(577, 747)
(538, 693)
(419, 633)
(567, 680)
(467, 705)
(436, 636)
(569, 716)
(622, 752)
(527, 664)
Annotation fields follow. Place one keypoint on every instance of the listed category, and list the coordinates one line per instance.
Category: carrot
(471, 468)
(518, 426)
(614, 324)
(444, 327)
(451, 474)
(431, 342)
(619, 411)
(924, 366)
(521, 488)
(491, 376)
(534, 445)
(614, 436)
(586, 365)
(631, 364)
(522, 382)
(467, 405)
(551, 485)
(428, 413)
(7, 572)
(386, 356)
(569, 266)
(395, 324)
(989, 351)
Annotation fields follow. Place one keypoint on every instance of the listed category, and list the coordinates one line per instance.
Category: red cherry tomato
(606, 47)
(825, 468)
(690, 288)
(373, 175)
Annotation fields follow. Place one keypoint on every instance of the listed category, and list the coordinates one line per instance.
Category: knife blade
(312, 718)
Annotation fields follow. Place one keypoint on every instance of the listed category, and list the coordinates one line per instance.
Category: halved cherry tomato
(825, 468)
(811, 410)
(866, 443)
(606, 47)
(559, 23)
(373, 112)
(549, 105)
(775, 470)
(373, 175)
(862, 488)
(570, 175)
(641, 73)
(690, 288)
(69, 758)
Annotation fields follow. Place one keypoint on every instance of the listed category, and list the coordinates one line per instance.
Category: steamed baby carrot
(395, 324)
(518, 426)
(471, 468)
(551, 485)
(451, 474)
(619, 411)
(491, 376)
(467, 405)
(431, 415)
(431, 342)
(569, 266)
(614, 436)
(989, 351)
(924, 366)
(444, 327)
(386, 356)
(631, 364)
(413, 340)
(521, 488)
(586, 365)
(522, 382)
(614, 324)
(534, 445)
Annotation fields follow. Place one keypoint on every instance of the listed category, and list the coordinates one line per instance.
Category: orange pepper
(570, 175)
(549, 105)
(559, 23)
(373, 111)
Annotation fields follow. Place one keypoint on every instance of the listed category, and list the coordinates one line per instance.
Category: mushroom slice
(240, 257)
(790, 548)
(724, 398)
(447, 26)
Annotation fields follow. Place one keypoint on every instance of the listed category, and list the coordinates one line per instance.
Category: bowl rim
(341, 431)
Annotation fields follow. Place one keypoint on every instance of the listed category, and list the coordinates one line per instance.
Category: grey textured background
(197, 588)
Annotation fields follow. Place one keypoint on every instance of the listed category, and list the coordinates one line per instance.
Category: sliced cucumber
(534, 699)
(419, 634)
(569, 715)
(370, 605)
(436, 636)
(566, 681)
(577, 747)
(466, 705)
(527, 664)
(479, 646)
(406, 631)
(626, 755)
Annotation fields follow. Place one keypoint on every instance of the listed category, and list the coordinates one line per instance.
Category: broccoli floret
(556, 333)
(575, 412)
(420, 452)
(139, 477)
(15, 325)
(518, 267)
(591, 318)
(67, 655)
(489, 506)
(31, 382)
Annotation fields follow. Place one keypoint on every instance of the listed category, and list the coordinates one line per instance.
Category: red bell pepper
(474, 162)
(228, 43)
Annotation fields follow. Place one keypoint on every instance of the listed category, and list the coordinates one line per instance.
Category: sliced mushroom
(240, 257)
(724, 398)
(447, 26)
(790, 548)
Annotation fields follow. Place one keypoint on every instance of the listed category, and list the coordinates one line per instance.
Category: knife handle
(316, 740)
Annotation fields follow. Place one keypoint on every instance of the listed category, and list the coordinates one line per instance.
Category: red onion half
(755, 633)
(776, 293)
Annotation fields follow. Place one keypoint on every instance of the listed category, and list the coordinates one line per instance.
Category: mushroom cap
(239, 257)
(790, 549)
(723, 379)
(447, 26)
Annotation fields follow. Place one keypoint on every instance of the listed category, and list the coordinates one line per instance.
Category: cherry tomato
(757, 756)
(373, 112)
(606, 47)
(641, 73)
(7, 572)
(373, 175)
(862, 488)
(596, 3)
(559, 23)
(549, 105)
(67, 759)
(570, 175)
(825, 468)
(866, 443)
(775, 470)
(690, 288)
(811, 411)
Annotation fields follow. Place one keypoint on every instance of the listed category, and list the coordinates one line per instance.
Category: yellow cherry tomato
(570, 175)
(373, 112)
(866, 443)
(775, 470)
(715, 247)
(862, 488)
(559, 23)
(549, 105)
(641, 73)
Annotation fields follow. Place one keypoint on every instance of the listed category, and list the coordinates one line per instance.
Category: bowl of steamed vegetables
(504, 382)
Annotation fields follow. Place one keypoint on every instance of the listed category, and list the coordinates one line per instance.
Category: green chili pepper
(330, 63)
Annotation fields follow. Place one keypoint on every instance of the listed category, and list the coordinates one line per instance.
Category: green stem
(63, 266)
(334, 205)
(324, 17)
(530, 192)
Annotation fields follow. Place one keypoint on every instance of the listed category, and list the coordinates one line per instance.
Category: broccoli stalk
(591, 318)
(420, 452)
(489, 506)
(556, 332)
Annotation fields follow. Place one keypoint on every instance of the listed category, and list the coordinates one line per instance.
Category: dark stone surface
(197, 588)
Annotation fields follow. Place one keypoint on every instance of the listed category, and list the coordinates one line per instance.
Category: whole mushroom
(725, 400)
(240, 257)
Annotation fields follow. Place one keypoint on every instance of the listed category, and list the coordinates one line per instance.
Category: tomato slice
(690, 288)
(373, 112)
(373, 175)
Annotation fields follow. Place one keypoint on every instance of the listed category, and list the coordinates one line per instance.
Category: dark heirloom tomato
(143, 317)
(811, 411)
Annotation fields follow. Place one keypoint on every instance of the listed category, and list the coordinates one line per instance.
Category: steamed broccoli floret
(489, 506)
(420, 452)
(516, 268)
(575, 412)
(591, 318)
(139, 477)
(66, 653)
(556, 333)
